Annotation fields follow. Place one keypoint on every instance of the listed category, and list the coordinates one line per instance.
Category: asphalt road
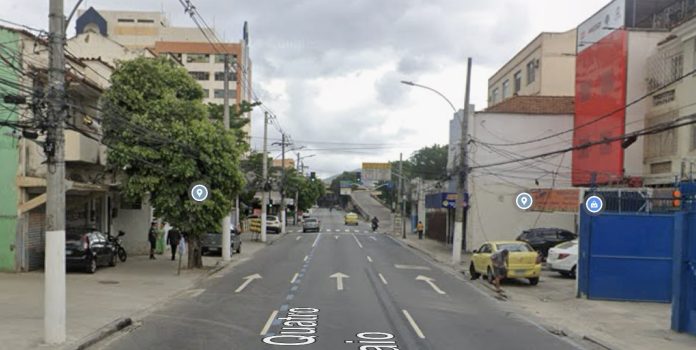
(344, 288)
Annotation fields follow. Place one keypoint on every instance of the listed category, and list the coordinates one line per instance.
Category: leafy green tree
(162, 141)
(428, 163)
(237, 117)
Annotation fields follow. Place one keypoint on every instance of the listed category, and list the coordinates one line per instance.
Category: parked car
(541, 239)
(272, 223)
(523, 261)
(86, 249)
(212, 242)
(311, 224)
(351, 219)
(563, 258)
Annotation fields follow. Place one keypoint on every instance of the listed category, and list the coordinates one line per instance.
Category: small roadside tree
(162, 141)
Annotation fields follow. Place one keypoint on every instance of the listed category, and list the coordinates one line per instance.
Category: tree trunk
(195, 258)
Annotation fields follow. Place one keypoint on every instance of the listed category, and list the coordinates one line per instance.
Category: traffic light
(313, 175)
(676, 199)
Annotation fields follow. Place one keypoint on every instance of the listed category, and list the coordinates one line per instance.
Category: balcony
(79, 148)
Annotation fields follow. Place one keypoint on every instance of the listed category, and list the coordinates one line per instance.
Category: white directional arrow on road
(248, 280)
(429, 281)
(339, 279)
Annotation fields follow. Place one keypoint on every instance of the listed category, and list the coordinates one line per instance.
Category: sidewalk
(93, 301)
(552, 303)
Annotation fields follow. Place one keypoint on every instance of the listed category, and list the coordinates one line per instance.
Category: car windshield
(566, 245)
(313, 221)
(514, 247)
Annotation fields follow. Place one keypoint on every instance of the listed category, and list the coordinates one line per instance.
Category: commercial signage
(564, 200)
(600, 96)
(441, 200)
(373, 172)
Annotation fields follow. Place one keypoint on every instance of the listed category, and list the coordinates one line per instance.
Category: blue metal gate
(684, 274)
(626, 256)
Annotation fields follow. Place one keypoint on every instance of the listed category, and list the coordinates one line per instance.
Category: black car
(542, 239)
(87, 249)
(212, 242)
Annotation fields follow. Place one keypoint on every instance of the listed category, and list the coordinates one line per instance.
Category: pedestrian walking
(173, 240)
(152, 237)
(160, 239)
(420, 228)
(499, 260)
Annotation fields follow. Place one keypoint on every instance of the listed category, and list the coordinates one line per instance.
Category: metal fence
(646, 200)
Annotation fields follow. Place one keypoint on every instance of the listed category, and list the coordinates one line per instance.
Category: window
(485, 249)
(221, 59)
(531, 71)
(220, 93)
(206, 93)
(494, 96)
(506, 89)
(197, 58)
(126, 20)
(677, 66)
(220, 76)
(146, 21)
(518, 81)
(200, 75)
(515, 247)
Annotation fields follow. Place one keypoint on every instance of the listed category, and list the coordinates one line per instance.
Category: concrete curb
(102, 333)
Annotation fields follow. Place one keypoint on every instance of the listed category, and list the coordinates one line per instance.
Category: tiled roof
(194, 47)
(535, 105)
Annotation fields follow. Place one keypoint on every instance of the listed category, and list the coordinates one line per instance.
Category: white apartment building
(546, 67)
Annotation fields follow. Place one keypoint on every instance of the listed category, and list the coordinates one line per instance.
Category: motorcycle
(375, 226)
(120, 251)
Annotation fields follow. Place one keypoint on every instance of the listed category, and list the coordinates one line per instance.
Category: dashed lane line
(384, 280)
(267, 326)
(294, 278)
(413, 324)
(306, 257)
(357, 241)
(298, 238)
(369, 258)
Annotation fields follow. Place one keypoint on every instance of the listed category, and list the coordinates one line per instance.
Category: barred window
(197, 58)
(200, 75)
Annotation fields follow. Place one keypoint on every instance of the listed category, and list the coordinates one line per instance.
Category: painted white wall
(493, 214)
(135, 223)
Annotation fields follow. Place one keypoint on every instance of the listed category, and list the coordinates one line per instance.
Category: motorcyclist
(375, 223)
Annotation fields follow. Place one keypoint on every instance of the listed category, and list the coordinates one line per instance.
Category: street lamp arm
(433, 90)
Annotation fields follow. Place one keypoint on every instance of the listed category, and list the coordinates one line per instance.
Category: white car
(563, 258)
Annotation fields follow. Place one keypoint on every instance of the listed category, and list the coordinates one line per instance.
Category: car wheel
(92, 266)
(472, 271)
(534, 281)
(113, 260)
(572, 272)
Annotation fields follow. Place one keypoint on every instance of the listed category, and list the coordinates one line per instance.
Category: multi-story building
(289, 163)
(670, 155)
(137, 31)
(546, 67)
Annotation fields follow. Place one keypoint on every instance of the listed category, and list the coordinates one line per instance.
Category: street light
(410, 83)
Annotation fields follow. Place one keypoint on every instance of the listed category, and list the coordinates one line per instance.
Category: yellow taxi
(523, 261)
(351, 219)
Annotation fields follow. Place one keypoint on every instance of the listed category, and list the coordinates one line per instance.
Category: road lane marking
(192, 293)
(384, 280)
(373, 238)
(306, 257)
(248, 280)
(316, 240)
(336, 237)
(339, 279)
(429, 281)
(369, 258)
(413, 324)
(298, 238)
(356, 240)
(328, 230)
(347, 230)
(356, 231)
(294, 278)
(411, 267)
(267, 326)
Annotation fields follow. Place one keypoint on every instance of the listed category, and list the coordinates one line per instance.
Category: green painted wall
(9, 153)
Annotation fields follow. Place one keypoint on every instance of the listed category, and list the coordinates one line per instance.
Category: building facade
(546, 66)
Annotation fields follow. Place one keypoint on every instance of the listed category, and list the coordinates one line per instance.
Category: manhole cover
(109, 282)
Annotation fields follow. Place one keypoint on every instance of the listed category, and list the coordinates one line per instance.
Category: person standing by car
(173, 240)
(152, 237)
(499, 261)
(419, 229)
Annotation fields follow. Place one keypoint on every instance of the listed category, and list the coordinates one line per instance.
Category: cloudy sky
(330, 69)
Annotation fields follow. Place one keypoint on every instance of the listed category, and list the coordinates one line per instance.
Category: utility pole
(462, 191)
(226, 122)
(297, 193)
(282, 186)
(401, 193)
(54, 261)
(264, 201)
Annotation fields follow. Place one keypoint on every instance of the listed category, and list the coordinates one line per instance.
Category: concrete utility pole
(226, 121)
(282, 186)
(462, 191)
(54, 262)
(401, 195)
(297, 193)
(264, 201)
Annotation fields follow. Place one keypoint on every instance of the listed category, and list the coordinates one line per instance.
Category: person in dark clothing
(152, 237)
(173, 239)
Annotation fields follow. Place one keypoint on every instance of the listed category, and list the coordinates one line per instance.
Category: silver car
(212, 243)
(311, 224)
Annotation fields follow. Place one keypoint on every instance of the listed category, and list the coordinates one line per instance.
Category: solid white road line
(411, 267)
(267, 326)
(358, 242)
(315, 241)
(294, 278)
(413, 324)
(384, 280)
(369, 258)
